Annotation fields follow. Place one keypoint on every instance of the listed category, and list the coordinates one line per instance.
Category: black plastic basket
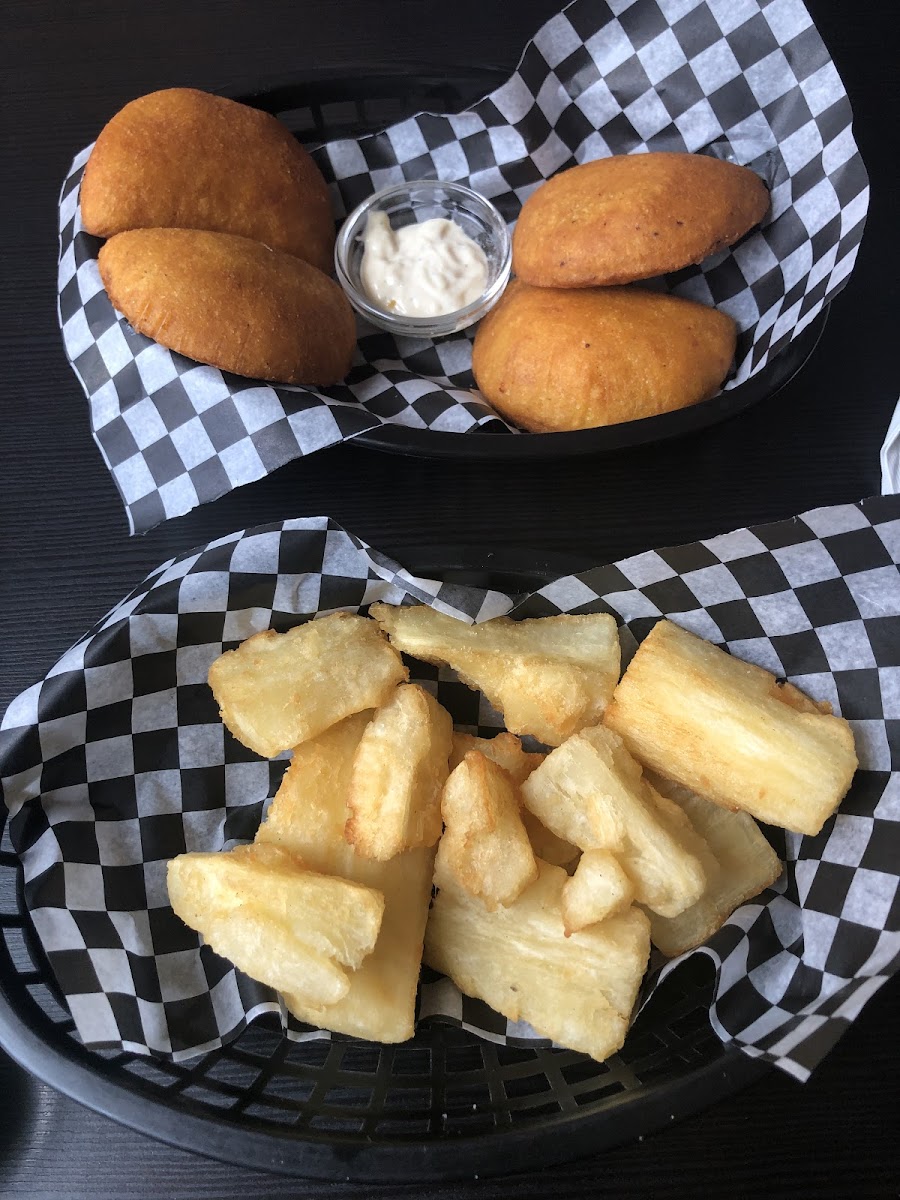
(446, 1104)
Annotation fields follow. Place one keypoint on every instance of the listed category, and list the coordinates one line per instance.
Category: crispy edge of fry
(678, 685)
(583, 900)
(616, 812)
(229, 672)
(408, 788)
(238, 900)
(548, 695)
(519, 961)
(485, 847)
(676, 935)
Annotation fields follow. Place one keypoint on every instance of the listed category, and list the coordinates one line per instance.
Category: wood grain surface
(66, 556)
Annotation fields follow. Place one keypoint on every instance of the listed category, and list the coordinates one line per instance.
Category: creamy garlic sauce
(423, 270)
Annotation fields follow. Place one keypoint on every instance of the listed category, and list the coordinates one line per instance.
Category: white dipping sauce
(423, 270)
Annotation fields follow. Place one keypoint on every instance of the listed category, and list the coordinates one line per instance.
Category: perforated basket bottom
(446, 1083)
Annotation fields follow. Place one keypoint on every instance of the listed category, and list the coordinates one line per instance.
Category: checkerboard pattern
(745, 80)
(118, 761)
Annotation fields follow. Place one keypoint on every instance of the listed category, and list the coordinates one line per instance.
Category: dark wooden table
(66, 556)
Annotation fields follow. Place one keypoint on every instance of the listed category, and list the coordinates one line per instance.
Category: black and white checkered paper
(746, 80)
(118, 761)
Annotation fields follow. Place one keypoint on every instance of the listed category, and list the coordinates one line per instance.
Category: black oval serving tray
(322, 106)
(445, 1105)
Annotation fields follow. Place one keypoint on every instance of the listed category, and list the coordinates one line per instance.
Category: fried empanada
(183, 158)
(551, 359)
(633, 216)
(231, 302)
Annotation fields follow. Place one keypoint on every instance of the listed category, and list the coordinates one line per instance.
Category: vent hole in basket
(49, 1005)
(336, 1124)
(460, 1060)
(348, 1097)
(158, 1076)
(528, 1085)
(468, 1098)
(508, 1056)
(265, 1112)
(592, 1094)
(18, 950)
(692, 1022)
(311, 1054)
(358, 1058)
(582, 1069)
(232, 1071)
(410, 1127)
(414, 1062)
(399, 1101)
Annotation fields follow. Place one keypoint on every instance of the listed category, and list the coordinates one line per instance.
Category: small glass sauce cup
(420, 200)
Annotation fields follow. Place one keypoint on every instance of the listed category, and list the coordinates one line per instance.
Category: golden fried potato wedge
(307, 817)
(579, 990)
(279, 922)
(278, 689)
(547, 845)
(485, 848)
(231, 303)
(739, 864)
(598, 889)
(399, 770)
(590, 791)
(181, 158)
(633, 216)
(549, 676)
(731, 732)
(506, 751)
(552, 360)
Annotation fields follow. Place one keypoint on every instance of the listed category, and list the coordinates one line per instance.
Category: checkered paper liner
(118, 761)
(746, 80)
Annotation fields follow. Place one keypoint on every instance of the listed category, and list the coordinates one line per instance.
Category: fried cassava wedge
(287, 926)
(307, 818)
(398, 771)
(598, 889)
(507, 752)
(548, 676)
(578, 990)
(485, 846)
(739, 864)
(278, 689)
(591, 792)
(730, 731)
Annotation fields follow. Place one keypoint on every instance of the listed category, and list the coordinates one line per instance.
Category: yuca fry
(399, 769)
(731, 732)
(546, 844)
(485, 848)
(307, 817)
(279, 689)
(549, 676)
(598, 889)
(580, 991)
(506, 751)
(279, 922)
(739, 864)
(590, 791)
